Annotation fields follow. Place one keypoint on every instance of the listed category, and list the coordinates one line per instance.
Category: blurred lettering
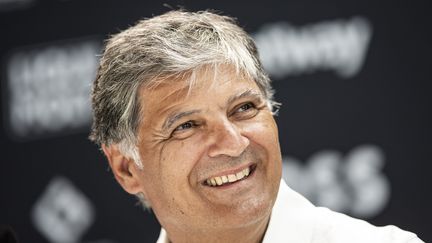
(352, 184)
(338, 45)
(49, 88)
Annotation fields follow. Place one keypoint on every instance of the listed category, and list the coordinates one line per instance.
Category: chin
(252, 211)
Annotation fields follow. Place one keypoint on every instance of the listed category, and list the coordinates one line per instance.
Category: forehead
(204, 83)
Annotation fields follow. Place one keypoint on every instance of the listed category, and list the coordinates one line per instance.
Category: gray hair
(173, 45)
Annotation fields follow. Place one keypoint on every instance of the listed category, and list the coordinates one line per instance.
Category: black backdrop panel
(353, 78)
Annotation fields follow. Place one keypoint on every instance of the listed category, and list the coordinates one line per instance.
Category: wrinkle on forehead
(196, 78)
(183, 85)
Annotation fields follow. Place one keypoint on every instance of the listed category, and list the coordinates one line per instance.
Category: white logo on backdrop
(63, 213)
(338, 45)
(49, 87)
(351, 184)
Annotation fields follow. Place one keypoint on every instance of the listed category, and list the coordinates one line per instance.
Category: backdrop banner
(355, 128)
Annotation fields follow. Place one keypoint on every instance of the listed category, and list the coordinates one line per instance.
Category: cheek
(173, 185)
(263, 131)
(264, 134)
(178, 159)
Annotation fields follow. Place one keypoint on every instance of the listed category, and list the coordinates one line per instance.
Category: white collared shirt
(295, 220)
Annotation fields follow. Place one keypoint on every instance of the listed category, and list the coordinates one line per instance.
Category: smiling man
(184, 113)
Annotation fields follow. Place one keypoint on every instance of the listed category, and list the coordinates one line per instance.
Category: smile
(230, 178)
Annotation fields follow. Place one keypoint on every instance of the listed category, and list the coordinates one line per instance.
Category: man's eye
(184, 130)
(184, 126)
(245, 107)
(245, 111)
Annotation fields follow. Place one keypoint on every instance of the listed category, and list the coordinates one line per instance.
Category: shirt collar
(291, 218)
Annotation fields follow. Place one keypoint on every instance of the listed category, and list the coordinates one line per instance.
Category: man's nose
(227, 139)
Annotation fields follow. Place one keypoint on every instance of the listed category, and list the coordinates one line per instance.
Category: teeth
(220, 180)
(246, 171)
(232, 178)
(240, 175)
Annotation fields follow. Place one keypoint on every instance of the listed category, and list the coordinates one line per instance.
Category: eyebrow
(177, 116)
(248, 93)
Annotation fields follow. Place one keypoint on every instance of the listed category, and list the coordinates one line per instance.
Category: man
(184, 113)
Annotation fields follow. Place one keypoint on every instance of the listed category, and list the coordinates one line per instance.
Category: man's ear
(124, 168)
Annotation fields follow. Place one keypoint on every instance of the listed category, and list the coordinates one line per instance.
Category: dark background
(387, 103)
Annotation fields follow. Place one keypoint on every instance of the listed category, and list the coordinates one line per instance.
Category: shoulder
(295, 219)
(336, 227)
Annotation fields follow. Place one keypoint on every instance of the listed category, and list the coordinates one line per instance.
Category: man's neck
(247, 234)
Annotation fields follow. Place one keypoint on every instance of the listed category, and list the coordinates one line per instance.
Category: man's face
(219, 131)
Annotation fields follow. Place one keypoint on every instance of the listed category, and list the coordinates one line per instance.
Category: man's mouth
(230, 178)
